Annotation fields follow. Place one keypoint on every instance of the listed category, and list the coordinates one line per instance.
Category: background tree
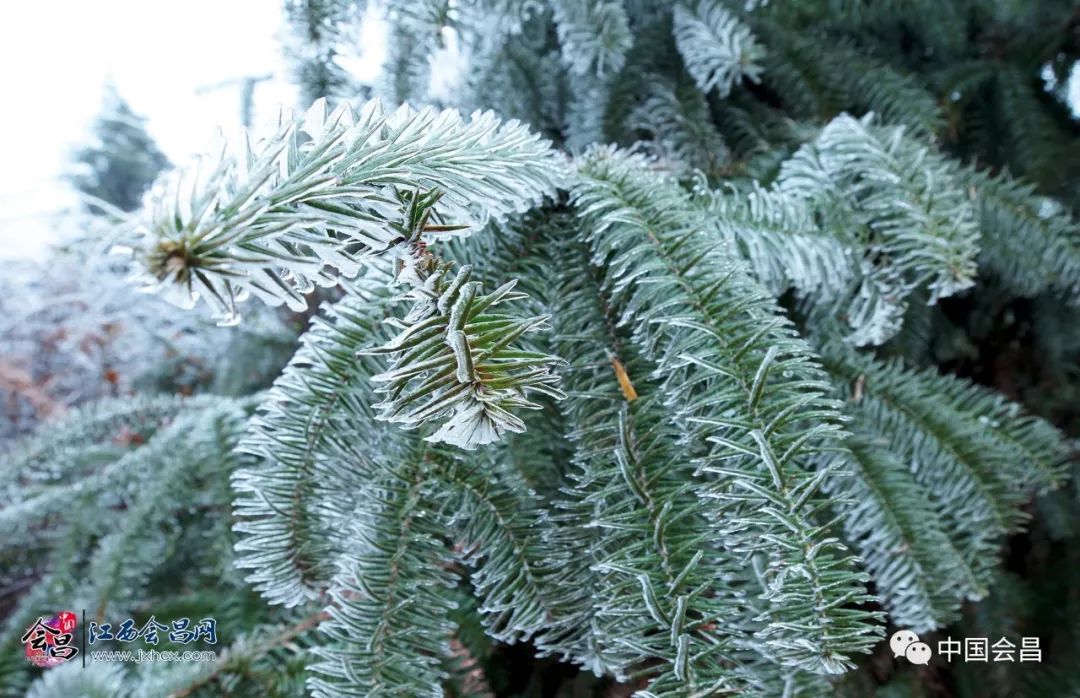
(122, 162)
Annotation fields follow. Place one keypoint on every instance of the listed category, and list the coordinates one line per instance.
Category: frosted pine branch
(717, 48)
(304, 207)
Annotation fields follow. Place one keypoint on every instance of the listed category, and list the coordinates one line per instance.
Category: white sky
(55, 58)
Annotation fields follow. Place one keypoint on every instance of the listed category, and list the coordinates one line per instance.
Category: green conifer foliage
(124, 161)
(697, 357)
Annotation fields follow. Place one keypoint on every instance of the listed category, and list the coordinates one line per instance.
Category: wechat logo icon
(905, 643)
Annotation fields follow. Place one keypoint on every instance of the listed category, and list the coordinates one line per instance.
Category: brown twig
(19, 381)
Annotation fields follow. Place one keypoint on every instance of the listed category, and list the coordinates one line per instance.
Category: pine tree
(123, 162)
(709, 350)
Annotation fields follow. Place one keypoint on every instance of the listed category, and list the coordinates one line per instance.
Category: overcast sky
(55, 58)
